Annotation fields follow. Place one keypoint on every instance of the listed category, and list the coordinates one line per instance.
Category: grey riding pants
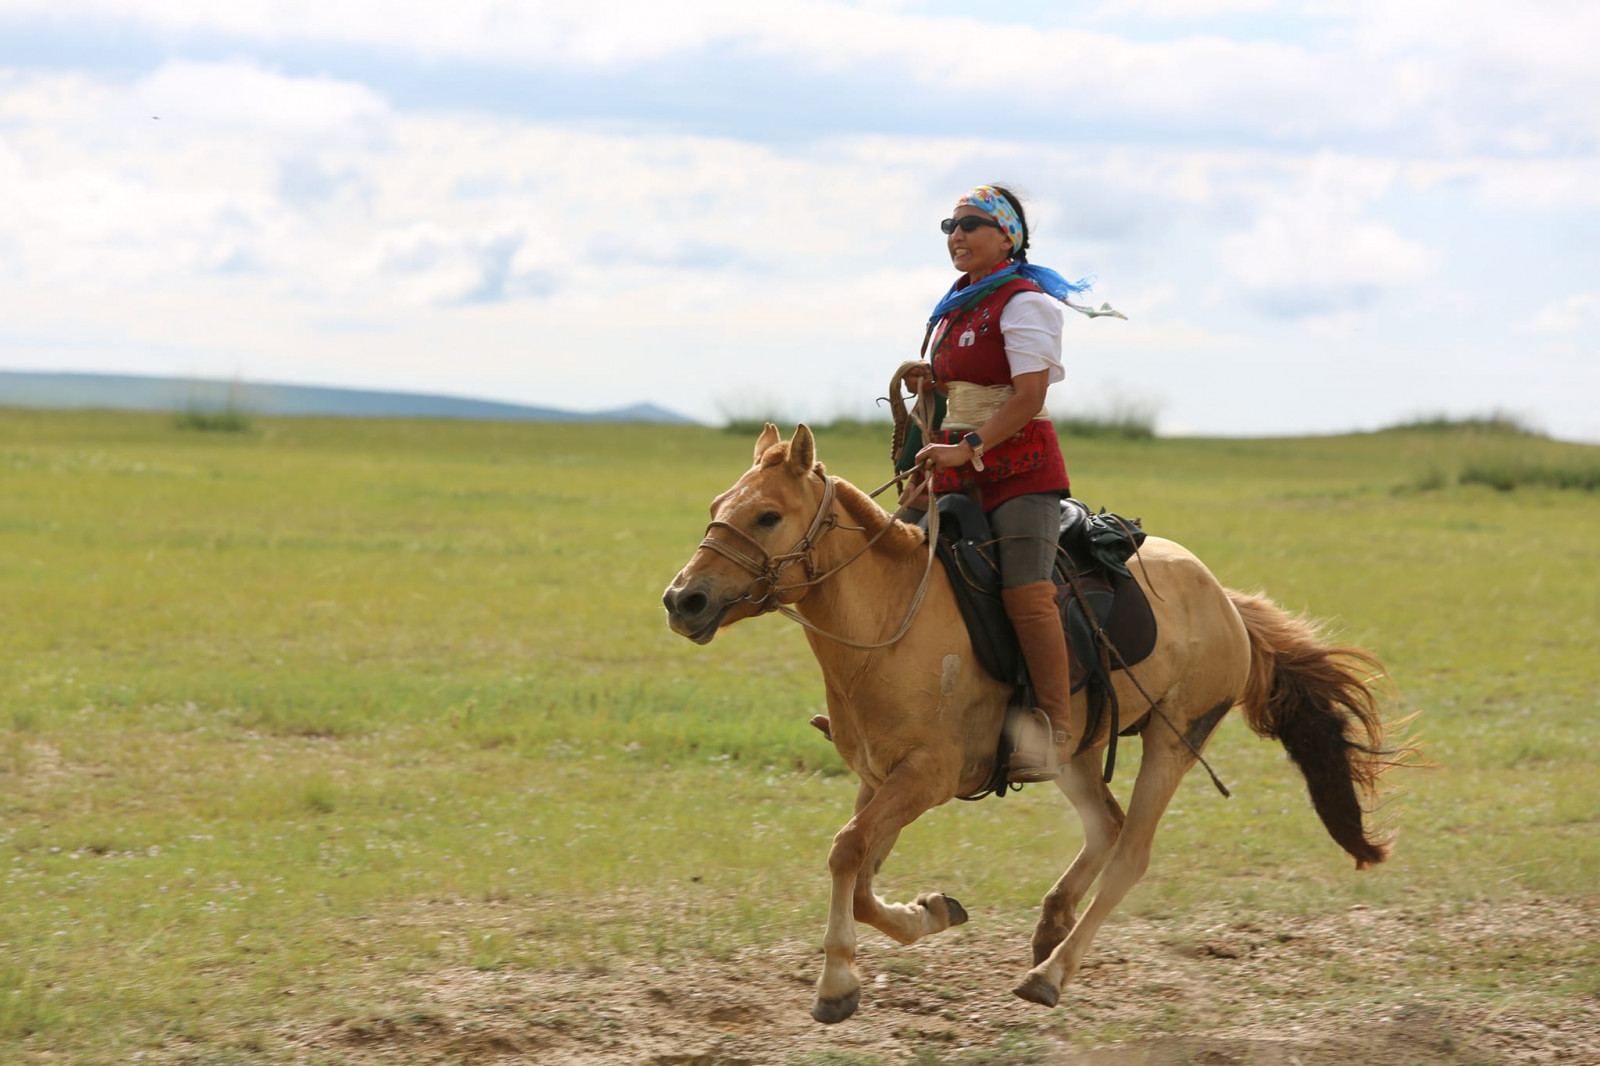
(1026, 527)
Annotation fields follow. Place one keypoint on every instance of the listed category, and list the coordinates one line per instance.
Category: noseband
(770, 568)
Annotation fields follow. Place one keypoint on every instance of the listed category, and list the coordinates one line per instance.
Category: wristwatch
(975, 442)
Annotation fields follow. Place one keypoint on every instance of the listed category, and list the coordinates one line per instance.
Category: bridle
(770, 568)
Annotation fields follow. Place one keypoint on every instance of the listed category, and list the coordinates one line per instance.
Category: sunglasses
(967, 224)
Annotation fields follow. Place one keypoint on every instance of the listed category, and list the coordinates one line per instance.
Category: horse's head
(759, 528)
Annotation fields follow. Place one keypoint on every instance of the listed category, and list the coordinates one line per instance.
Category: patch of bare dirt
(1359, 987)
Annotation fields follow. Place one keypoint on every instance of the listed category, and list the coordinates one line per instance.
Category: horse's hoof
(958, 913)
(830, 1011)
(1036, 988)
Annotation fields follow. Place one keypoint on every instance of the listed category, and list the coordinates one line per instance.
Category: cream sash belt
(970, 405)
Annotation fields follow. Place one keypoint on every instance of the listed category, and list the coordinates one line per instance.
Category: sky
(1317, 217)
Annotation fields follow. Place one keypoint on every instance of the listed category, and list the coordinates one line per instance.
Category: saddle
(1094, 590)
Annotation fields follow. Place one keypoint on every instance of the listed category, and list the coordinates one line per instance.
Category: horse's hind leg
(1102, 820)
(1159, 775)
(880, 815)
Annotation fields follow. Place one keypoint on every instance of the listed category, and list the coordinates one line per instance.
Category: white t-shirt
(1031, 325)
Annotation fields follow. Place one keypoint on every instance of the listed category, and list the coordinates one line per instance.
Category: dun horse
(918, 720)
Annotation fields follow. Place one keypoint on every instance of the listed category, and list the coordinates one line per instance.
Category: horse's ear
(802, 451)
(768, 438)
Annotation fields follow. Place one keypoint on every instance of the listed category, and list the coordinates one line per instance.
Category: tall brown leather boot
(1032, 609)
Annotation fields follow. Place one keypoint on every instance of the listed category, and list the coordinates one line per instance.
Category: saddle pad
(1122, 608)
(965, 549)
(977, 593)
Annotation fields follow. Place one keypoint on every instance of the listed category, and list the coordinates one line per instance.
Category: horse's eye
(770, 519)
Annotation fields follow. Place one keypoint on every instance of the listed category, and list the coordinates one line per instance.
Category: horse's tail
(1317, 699)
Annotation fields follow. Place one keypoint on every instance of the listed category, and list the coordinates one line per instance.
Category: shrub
(1126, 425)
(1506, 476)
(1501, 423)
(224, 421)
(209, 412)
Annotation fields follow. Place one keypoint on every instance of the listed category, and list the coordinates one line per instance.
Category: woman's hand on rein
(918, 379)
(945, 456)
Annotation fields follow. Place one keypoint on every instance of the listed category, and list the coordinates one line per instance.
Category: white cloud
(1428, 73)
(1568, 315)
(240, 94)
(1184, 10)
(558, 32)
(1533, 186)
(104, 186)
(1312, 252)
(1516, 75)
(466, 249)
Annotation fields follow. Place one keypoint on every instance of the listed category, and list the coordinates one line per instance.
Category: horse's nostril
(683, 604)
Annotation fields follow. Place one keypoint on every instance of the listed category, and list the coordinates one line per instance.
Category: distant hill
(127, 392)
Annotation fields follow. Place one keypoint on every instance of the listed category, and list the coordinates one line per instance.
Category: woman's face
(978, 252)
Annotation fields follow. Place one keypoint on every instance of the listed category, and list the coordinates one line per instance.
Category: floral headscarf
(986, 199)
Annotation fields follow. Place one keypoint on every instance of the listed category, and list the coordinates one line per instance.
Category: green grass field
(288, 715)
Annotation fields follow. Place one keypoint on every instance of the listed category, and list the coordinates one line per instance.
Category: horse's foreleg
(930, 912)
(1102, 820)
(880, 815)
(1159, 776)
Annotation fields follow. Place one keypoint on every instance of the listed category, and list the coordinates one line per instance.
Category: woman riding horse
(996, 341)
(918, 720)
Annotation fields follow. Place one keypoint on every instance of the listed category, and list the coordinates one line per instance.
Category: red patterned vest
(968, 346)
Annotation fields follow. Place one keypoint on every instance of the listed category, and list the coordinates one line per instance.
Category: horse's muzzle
(692, 613)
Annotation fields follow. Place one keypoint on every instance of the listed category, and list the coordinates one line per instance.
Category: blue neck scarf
(1047, 279)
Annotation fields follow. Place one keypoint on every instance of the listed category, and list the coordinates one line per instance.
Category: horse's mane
(907, 539)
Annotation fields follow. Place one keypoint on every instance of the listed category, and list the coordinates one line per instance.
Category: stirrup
(1025, 766)
(822, 723)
